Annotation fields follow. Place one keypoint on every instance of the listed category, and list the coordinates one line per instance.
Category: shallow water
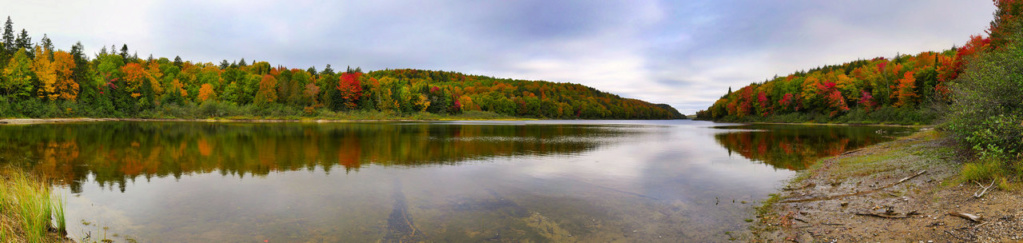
(590, 181)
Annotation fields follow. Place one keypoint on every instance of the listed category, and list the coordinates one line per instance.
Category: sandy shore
(901, 191)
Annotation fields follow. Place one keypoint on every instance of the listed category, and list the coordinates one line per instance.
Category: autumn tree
(906, 90)
(135, 76)
(350, 89)
(43, 68)
(63, 67)
(206, 93)
(311, 91)
(267, 93)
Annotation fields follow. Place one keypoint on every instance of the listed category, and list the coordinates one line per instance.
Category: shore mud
(905, 190)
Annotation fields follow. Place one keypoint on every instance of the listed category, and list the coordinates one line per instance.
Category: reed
(27, 211)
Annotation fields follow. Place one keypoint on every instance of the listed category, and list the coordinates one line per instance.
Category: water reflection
(118, 152)
(542, 181)
(796, 147)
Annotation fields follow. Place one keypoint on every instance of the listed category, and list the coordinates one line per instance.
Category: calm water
(590, 181)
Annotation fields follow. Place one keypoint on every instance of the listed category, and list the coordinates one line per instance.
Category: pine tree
(24, 42)
(328, 70)
(47, 46)
(124, 51)
(9, 44)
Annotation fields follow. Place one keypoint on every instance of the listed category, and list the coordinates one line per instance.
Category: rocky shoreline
(903, 190)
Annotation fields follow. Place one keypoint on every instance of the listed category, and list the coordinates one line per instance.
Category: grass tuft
(27, 209)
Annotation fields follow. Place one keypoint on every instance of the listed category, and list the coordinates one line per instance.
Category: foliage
(829, 93)
(17, 77)
(206, 93)
(43, 82)
(986, 114)
(63, 67)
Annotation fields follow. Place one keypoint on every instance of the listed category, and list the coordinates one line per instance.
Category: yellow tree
(180, 87)
(206, 93)
(63, 67)
(135, 76)
(43, 68)
(154, 71)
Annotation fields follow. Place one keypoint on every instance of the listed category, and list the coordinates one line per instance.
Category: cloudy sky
(683, 53)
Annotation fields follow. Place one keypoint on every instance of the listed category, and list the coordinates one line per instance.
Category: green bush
(5, 108)
(988, 102)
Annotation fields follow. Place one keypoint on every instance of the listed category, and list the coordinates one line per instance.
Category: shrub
(985, 115)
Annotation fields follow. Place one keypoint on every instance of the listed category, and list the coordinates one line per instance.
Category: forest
(972, 94)
(904, 89)
(40, 81)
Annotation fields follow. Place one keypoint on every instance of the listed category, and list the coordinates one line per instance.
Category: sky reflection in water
(445, 181)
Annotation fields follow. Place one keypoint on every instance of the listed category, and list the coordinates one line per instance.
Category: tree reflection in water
(116, 152)
(796, 147)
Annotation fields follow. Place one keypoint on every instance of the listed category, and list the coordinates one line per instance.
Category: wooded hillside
(39, 80)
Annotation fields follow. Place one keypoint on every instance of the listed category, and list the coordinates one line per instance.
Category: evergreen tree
(9, 44)
(177, 61)
(242, 63)
(47, 46)
(328, 70)
(24, 42)
(124, 51)
(224, 64)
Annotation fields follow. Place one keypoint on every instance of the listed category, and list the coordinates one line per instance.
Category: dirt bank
(904, 190)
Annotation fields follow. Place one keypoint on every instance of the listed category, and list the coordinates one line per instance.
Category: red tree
(351, 89)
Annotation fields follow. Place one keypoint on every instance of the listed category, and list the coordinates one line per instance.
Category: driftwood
(970, 217)
(910, 177)
(980, 193)
(889, 216)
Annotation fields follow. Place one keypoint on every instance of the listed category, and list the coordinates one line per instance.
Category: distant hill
(897, 89)
(39, 80)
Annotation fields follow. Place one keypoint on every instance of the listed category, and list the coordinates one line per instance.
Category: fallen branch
(980, 193)
(970, 217)
(889, 216)
(910, 177)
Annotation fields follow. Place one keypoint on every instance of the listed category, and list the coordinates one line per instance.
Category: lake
(560, 181)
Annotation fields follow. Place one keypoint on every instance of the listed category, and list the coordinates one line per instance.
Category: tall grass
(26, 208)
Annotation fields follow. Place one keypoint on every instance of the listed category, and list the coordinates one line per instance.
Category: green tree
(24, 42)
(17, 81)
(8, 37)
(124, 52)
(8, 44)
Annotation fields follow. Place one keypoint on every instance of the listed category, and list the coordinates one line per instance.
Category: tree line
(976, 91)
(38, 80)
(901, 89)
